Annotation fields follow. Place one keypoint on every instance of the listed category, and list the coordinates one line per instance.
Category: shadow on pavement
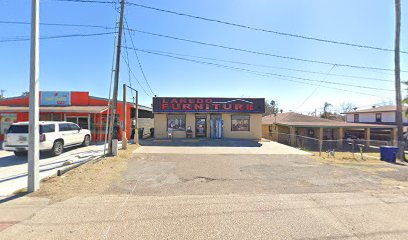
(15, 196)
(195, 142)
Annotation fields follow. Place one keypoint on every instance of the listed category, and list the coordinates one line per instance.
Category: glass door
(201, 126)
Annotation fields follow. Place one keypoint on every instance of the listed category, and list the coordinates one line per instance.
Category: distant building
(384, 115)
(291, 123)
(79, 107)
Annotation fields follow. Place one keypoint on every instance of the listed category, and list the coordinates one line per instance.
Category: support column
(367, 136)
(292, 132)
(340, 138)
(394, 136)
(320, 141)
(276, 132)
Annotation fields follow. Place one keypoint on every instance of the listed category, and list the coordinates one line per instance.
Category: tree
(2, 91)
(347, 107)
(25, 94)
(326, 110)
(271, 107)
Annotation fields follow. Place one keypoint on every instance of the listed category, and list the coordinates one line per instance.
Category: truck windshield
(24, 128)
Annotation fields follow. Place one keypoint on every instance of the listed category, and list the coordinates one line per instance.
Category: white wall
(386, 117)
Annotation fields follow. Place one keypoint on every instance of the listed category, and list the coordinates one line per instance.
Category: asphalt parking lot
(256, 194)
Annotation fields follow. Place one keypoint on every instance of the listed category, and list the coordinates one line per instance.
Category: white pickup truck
(54, 137)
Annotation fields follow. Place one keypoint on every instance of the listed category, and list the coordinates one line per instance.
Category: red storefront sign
(170, 104)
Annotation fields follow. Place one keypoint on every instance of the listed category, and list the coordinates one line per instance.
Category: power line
(134, 76)
(137, 57)
(261, 53)
(283, 77)
(314, 90)
(127, 57)
(216, 45)
(21, 39)
(58, 24)
(243, 26)
(273, 67)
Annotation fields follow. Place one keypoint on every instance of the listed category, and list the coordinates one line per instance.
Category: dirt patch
(88, 179)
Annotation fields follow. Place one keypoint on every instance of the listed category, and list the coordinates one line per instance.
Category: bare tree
(2, 91)
(347, 107)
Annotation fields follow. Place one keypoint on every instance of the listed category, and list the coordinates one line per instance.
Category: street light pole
(34, 133)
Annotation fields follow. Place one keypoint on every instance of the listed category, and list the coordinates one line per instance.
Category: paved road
(226, 196)
(13, 169)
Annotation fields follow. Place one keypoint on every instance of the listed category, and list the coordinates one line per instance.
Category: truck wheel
(87, 141)
(57, 148)
(20, 153)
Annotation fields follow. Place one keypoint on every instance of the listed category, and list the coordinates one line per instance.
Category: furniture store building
(181, 117)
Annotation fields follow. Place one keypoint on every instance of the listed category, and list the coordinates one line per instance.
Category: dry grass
(370, 162)
(88, 179)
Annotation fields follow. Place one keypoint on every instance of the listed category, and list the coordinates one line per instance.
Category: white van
(54, 137)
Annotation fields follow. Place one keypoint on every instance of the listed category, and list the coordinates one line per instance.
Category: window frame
(356, 118)
(176, 130)
(249, 122)
(378, 119)
(66, 130)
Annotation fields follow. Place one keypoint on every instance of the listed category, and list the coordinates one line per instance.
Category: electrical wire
(207, 44)
(272, 74)
(273, 67)
(314, 90)
(21, 39)
(261, 73)
(137, 57)
(260, 53)
(134, 76)
(356, 45)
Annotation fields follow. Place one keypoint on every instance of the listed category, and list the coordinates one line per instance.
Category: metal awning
(48, 109)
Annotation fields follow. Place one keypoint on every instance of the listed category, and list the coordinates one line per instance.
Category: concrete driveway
(13, 169)
(216, 146)
(207, 195)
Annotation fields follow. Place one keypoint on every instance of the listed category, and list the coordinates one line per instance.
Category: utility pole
(398, 114)
(34, 132)
(116, 82)
(124, 137)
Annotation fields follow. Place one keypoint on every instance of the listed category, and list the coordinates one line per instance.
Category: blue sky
(84, 63)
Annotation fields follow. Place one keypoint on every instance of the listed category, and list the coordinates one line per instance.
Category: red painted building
(87, 111)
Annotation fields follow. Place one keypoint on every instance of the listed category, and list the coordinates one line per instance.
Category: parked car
(54, 137)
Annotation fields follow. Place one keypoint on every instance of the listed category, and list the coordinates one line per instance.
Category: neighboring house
(291, 124)
(384, 115)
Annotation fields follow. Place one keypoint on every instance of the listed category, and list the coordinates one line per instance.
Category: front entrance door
(201, 126)
(216, 126)
(83, 122)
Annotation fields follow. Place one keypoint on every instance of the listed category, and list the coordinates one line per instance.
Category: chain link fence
(339, 145)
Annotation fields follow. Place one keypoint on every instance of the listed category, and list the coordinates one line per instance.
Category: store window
(240, 122)
(176, 122)
(378, 117)
(6, 119)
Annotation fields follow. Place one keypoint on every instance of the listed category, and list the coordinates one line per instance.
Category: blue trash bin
(388, 153)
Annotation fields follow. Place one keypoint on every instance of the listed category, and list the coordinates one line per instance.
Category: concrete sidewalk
(222, 146)
(278, 216)
(13, 169)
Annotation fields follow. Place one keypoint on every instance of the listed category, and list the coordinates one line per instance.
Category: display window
(240, 122)
(176, 122)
